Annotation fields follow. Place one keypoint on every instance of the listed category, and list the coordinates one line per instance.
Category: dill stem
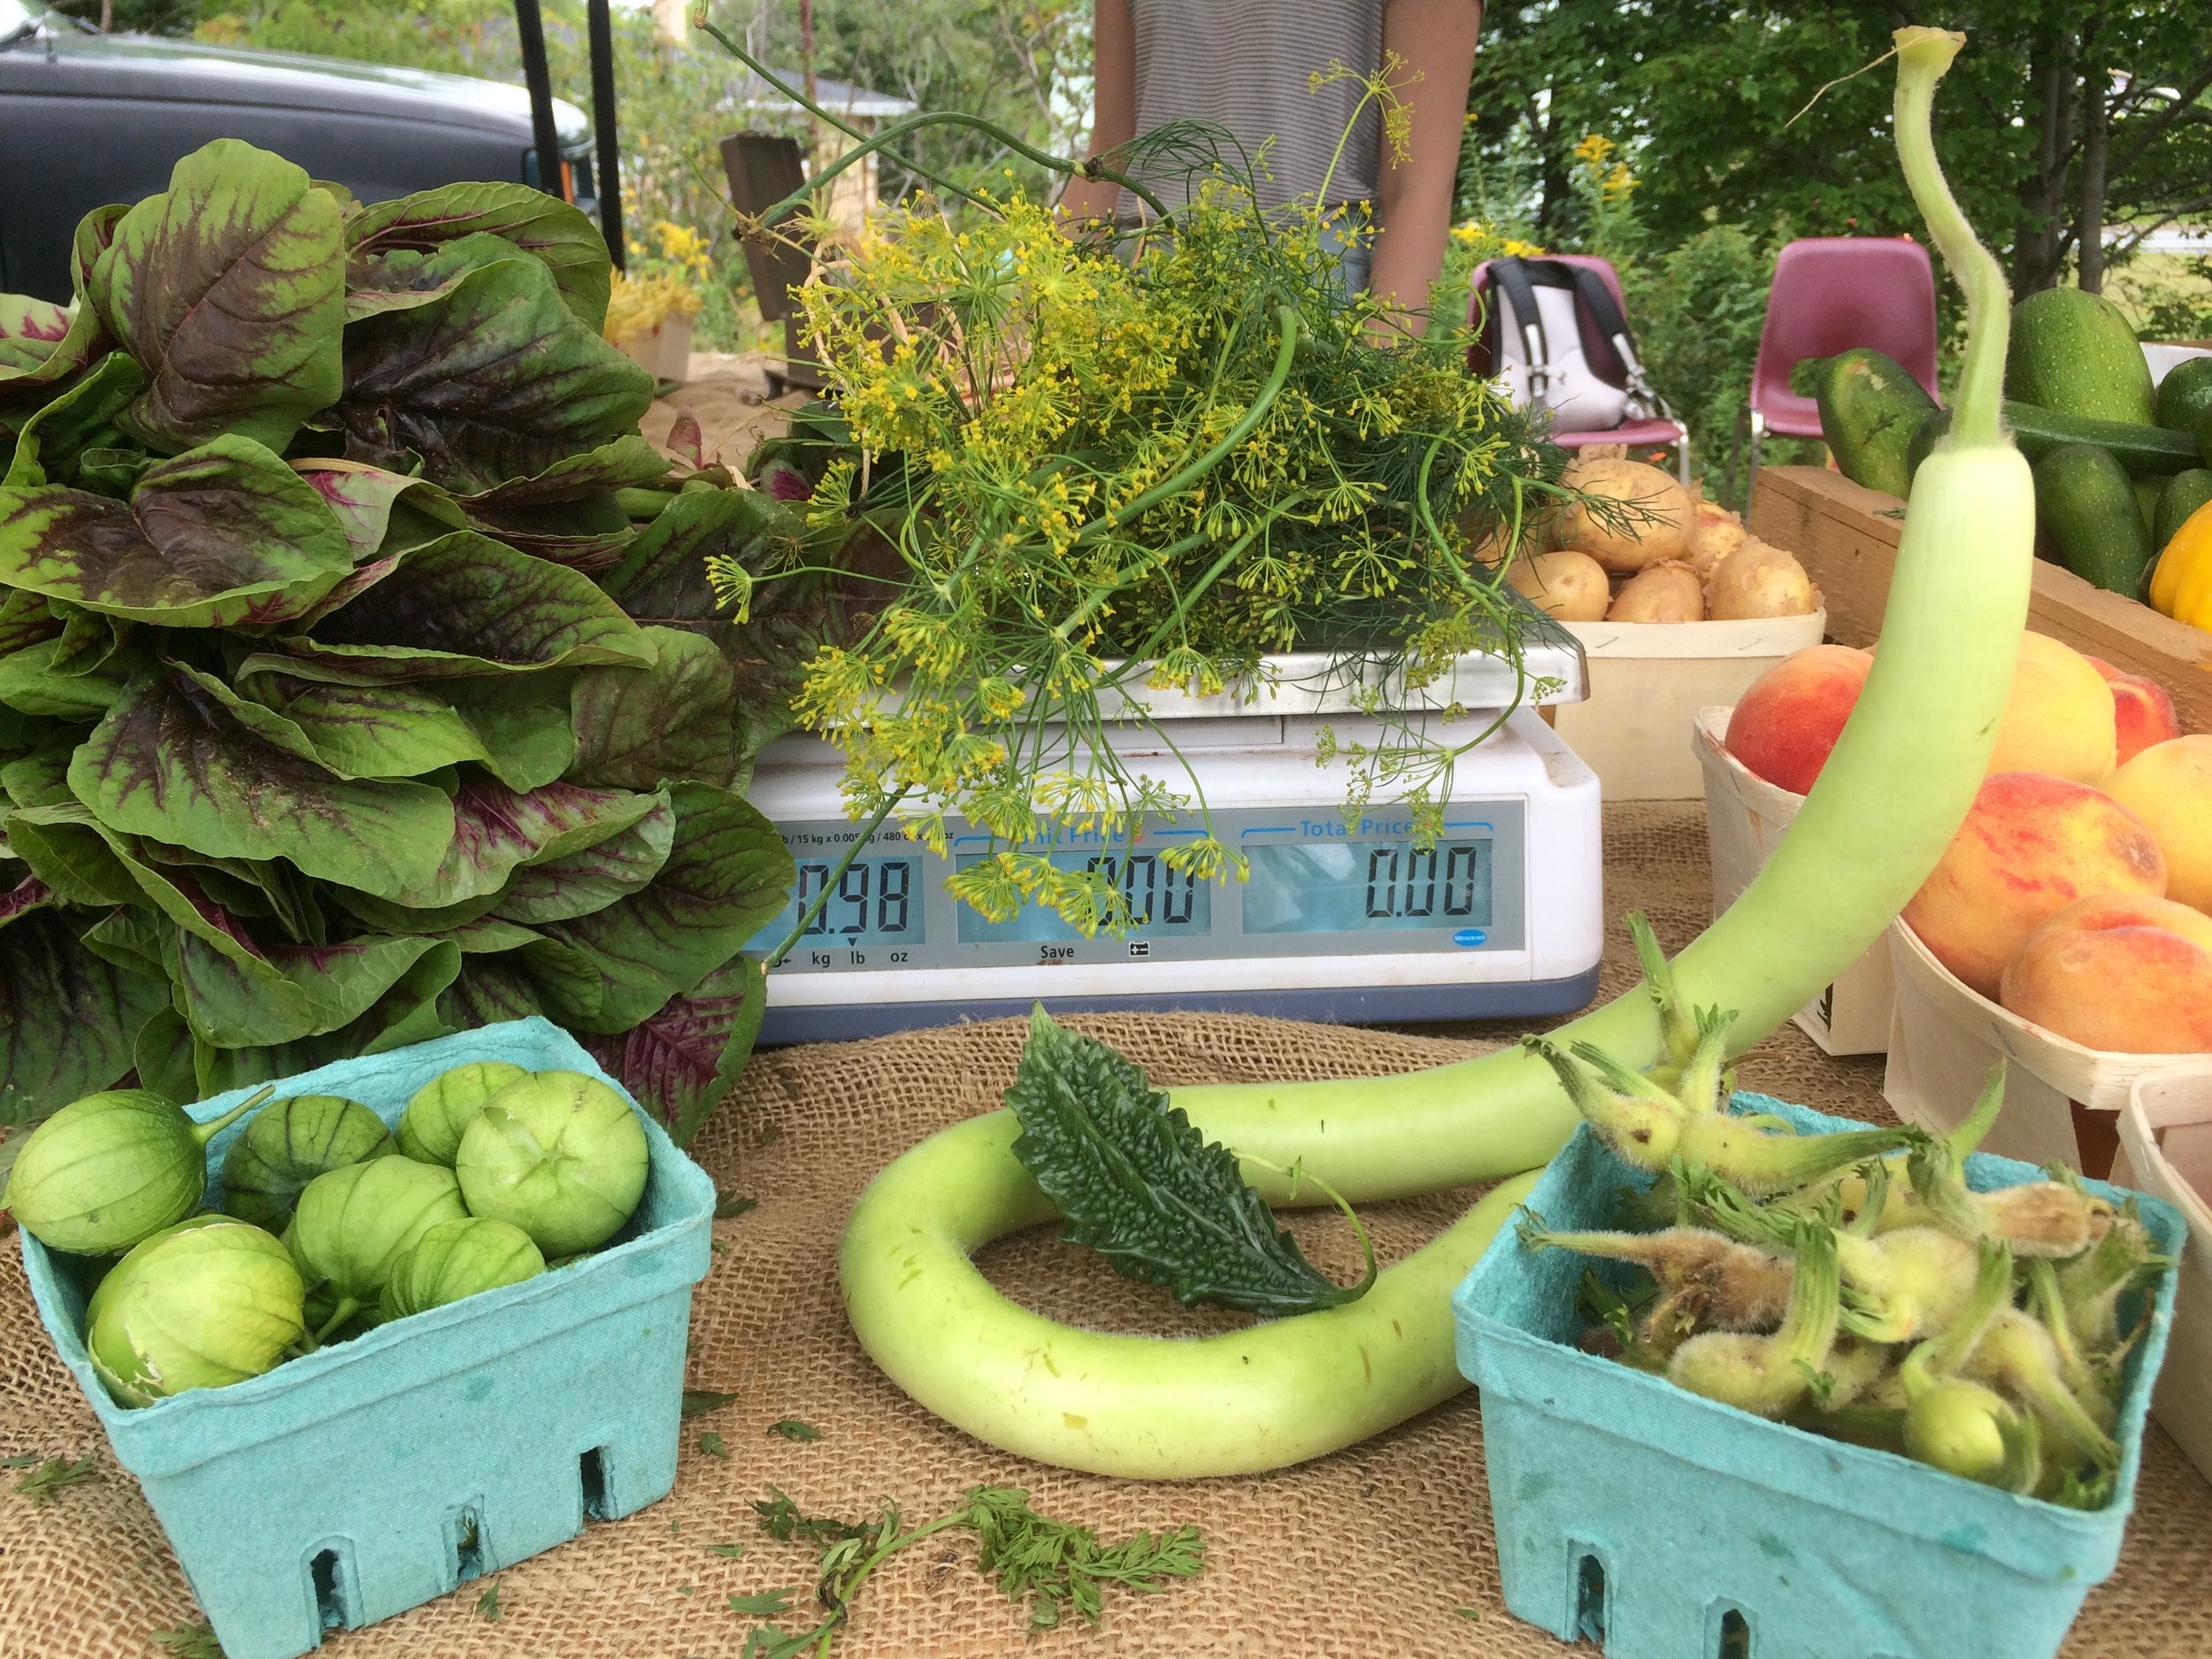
(812, 912)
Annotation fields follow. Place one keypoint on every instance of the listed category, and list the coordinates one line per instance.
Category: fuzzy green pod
(457, 1259)
(203, 1304)
(112, 1169)
(430, 1128)
(560, 1154)
(287, 1145)
(352, 1223)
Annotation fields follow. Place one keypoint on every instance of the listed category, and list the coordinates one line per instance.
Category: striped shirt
(1244, 64)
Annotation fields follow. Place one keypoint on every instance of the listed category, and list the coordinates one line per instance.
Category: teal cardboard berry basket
(1670, 1526)
(355, 1483)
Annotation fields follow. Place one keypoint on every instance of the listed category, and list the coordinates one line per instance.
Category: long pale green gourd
(1887, 804)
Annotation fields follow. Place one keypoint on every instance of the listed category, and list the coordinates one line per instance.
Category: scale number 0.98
(846, 914)
(1402, 879)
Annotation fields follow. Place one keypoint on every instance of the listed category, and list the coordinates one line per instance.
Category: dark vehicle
(87, 119)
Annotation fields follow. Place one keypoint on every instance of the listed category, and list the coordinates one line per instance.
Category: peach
(2060, 718)
(2031, 845)
(2144, 714)
(2168, 786)
(1789, 718)
(2108, 911)
(2131, 990)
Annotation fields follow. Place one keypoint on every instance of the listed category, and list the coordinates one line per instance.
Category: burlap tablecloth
(1385, 1548)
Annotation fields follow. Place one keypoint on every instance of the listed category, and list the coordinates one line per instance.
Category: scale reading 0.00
(1361, 887)
(1162, 901)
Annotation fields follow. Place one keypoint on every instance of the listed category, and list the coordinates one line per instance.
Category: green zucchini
(2076, 354)
(2145, 451)
(2185, 394)
(2085, 503)
(1870, 406)
(2184, 494)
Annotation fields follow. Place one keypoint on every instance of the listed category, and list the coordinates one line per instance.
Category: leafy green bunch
(358, 678)
(1071, 478)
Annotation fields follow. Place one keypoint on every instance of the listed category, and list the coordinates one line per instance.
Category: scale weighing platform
(1337, 921)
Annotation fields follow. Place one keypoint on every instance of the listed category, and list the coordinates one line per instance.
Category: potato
(1570, 585)
(1654, 515)
(1759, 581)
(1666, 592)
(1715, 532)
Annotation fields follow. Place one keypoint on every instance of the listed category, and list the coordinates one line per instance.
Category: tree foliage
(1707, 95)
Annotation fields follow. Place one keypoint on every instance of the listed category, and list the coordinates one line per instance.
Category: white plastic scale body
(1344, 922)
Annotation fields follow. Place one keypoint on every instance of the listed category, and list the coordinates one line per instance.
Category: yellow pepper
(2181, 584)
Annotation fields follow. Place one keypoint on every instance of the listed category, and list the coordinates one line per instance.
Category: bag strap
(1597, 299)
(1510, 276)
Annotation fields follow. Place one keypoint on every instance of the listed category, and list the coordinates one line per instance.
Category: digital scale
(1344, 922)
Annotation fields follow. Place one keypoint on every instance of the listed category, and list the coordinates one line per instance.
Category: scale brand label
(1470, 936)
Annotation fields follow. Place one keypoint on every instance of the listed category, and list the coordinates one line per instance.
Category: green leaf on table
(766, 1602)
(67, 1019)
(728, 1552)
(229, 289)
(31, 330)
(727, 874)
(710, 1443)
(171, 762)
(523, 721)
(162, 1053)
(495, 829)
(792, 1429)
(30, 683)
(622, 463)
(728, 1206)
(191, 1641)
(575, 884)
(368, 731)
(496, 380)
(378, 509)
(50, 445)
(56, 1476)
(699, 1401)
(560, 235)
(466, 606)
(302, 991)
(222, 536)
(487, 1604)
(684, 1058)
(1136, 1182)
(676, 718)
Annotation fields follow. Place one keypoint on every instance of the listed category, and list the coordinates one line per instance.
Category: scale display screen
(1163, 903)
(1317, 887)
(876, 902)
(1351, 887)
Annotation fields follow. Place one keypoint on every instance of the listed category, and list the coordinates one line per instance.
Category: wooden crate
(1846, 536)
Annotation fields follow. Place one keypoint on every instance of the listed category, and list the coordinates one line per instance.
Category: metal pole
(602, 29)
(530, 34)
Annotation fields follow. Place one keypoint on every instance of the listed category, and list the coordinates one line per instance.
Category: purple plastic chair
(1830, 293)
(1603, 359)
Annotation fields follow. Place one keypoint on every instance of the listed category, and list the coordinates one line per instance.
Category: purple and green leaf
(561, 235)
(171, 761)
(229, 289)
(67, 1019)
(576, 884)
(222, 536)
(676, 718)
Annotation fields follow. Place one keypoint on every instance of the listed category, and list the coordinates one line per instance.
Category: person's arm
(1113, 106)
(1413, 200)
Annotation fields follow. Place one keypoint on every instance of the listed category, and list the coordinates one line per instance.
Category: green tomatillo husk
(287, 1145)
(112, 1169)
(457, 1259)
(430, 1129)
(560, 1154)
(354, 1222)
(203, 1304)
